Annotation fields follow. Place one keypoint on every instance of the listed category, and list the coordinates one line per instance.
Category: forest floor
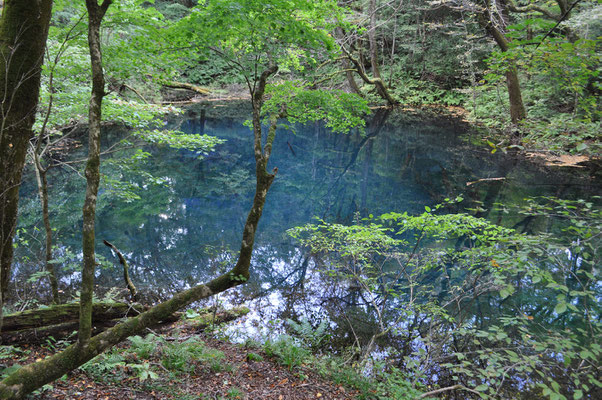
(234, 372)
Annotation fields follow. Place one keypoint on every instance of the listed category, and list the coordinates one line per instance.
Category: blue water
(188, 231)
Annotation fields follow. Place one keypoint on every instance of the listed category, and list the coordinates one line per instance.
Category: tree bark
(517, 108)
(126, 273)
(346, 66)
(23, 32)
(43, 194)
(381, 87)
(96, 13)
(67, 313)
(372, 40)
(106, 316)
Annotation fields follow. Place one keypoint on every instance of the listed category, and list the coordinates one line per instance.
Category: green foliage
(145, 347)
(178, 357)
(339, 111)
(235, 393)
(254, 357)
(106, 367)
(11, 352)
(288, 351)
(381, 383)
(424, 92)
(38, 276)
(560, 85)
(202, 144)
(537, 323)
(312, 337)
(132, 34)
(251, 35)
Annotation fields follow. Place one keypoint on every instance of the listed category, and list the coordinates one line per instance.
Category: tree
(494, 19)
(358, 65)
(266, 33)
(96, 14)
(23, 31)
(65, 91)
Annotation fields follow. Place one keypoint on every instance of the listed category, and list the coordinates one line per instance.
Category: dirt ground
(243, 377)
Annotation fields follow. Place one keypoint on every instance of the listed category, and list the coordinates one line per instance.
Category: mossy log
(63, 313)
(187, 86)
(56, 332)
(208, 318)
(103, 319)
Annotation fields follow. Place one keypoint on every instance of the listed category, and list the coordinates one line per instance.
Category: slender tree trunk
(346, 66)
(372, 40)
(23, 32)
(517, 108)
(43, 194)
(96, 13)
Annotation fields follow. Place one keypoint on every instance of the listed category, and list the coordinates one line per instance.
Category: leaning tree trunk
(346, 66)
(517, 108)
(23, 32)
(33, 376)
(378, 83)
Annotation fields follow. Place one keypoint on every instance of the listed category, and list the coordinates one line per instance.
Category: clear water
(189, 231)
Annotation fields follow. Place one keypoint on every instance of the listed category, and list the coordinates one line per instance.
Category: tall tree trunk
(517, 108)
(96, 13)
(346, 66)
(23, 32)
(43, 194)
(372, 40)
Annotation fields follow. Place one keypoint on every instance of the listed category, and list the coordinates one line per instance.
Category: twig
(445, 389)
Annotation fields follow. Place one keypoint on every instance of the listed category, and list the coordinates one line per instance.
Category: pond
(189, 229)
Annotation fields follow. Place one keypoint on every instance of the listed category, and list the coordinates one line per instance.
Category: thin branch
(564, 16)
(446, 389)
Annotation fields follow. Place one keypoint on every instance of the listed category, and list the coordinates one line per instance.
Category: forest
(295, 199)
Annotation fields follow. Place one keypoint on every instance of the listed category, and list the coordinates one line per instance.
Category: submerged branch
(126, 274)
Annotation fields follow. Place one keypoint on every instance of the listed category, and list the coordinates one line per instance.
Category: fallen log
(66, 331)
(187, 86)
(62, 313)
(206, 318)
(210, 317)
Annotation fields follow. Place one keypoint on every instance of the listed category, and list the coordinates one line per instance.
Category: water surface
(190, 230)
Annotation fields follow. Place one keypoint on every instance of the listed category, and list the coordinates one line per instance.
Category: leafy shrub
(287, 351)
(310, 336)
(144, 347)
(536, 325)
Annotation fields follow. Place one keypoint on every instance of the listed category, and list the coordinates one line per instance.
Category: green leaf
(560, 308)
(482, 388)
